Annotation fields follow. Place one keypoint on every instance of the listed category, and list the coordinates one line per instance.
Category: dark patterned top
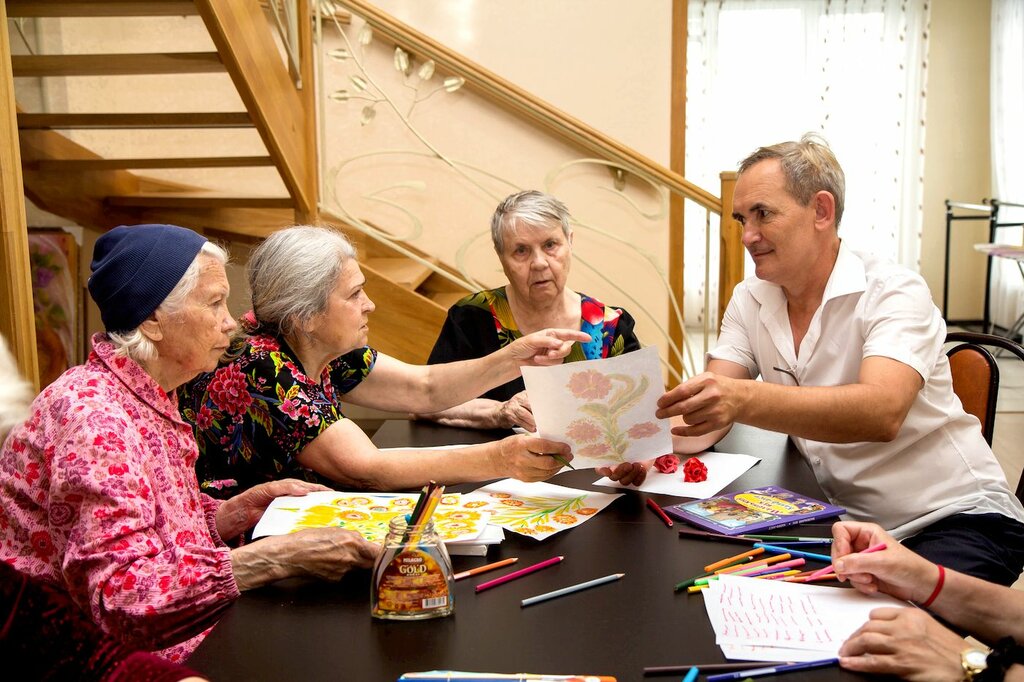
(482, 323)
(50, 638)
(254, 414)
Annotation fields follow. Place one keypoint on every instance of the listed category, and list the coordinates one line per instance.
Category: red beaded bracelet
(938, 588)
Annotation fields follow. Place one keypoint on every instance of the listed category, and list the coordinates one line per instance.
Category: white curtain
(1007, 84)
(761, 72)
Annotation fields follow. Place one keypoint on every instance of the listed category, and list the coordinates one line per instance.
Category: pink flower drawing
(596, 450)
(589, 385)
(583, 431)
(643, 430)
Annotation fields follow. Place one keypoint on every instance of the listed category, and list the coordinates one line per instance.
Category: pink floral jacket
(98, 494)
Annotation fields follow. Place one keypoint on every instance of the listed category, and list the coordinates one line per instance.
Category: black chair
(976, 377)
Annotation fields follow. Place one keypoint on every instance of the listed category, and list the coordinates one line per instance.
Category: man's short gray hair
(292, 274)
(527, 209)
(809, 166)
(136, 345)
(15, 392)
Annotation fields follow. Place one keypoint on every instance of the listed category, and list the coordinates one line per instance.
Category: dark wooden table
(304, 630)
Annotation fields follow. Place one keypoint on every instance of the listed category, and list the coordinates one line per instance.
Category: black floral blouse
(254, 414)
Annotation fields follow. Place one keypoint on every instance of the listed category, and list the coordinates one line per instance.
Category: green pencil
(563, 461)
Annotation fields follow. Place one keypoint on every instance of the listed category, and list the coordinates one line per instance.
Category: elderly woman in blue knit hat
(98, 493)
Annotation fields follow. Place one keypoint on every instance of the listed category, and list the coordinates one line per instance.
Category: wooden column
(677, 156)
(730, 262)
(17, 322)
(308, 96)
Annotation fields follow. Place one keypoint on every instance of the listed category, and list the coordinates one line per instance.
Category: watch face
(975, 658)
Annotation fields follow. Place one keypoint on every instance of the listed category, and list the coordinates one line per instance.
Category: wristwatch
(974, 661)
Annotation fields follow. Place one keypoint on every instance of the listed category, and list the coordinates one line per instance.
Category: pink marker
(516, 574)
(831, 569)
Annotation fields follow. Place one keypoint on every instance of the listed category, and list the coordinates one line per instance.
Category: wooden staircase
(66, 178)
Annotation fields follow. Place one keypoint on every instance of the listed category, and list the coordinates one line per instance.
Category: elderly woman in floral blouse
(273, 409)
(98, 494)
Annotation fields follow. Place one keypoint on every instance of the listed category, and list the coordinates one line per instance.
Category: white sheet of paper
(771, 613)
(740, 652)
(723, 469)
(604, 409)
(536, 509)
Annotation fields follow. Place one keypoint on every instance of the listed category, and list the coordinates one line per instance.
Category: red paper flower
(694, 471)
(667, 464)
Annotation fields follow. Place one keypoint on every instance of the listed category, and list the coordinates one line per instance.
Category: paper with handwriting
(604, 409)
(747, 612)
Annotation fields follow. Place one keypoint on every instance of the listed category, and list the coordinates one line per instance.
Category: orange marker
(733, 559)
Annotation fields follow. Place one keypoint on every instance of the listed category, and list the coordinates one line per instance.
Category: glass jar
(412, 578)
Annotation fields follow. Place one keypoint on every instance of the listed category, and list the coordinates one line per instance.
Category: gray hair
(15, 392)
(527, 209)
(136, 345)
(809, 166)
(292, 274)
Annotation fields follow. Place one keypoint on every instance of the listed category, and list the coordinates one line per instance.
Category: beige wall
(957, 153)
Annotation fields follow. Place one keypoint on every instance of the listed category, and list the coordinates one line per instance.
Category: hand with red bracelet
(895, 571)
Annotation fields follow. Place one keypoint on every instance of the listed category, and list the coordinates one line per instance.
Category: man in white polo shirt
(849, 348)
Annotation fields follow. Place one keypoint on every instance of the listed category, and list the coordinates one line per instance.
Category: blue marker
(691, 674)
(795, 552)
(775, 670)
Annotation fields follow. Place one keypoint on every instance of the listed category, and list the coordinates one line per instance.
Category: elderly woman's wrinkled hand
(240, 513)
(528, 458)
(627, 473)
(516, 412)
(897, 571)
(546, 347)
(325, 553)
(906, 642)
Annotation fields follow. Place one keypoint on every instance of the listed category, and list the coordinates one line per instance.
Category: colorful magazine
(751, 511)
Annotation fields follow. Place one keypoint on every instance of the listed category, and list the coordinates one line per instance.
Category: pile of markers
(782, 559)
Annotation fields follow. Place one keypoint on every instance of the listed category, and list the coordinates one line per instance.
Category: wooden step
(79, 165)
(206, 119)
(196, 200)
(97, 8)
(47, 65)
(446, 299)
(403, 271)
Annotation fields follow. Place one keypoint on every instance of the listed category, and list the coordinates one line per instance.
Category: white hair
(15, 392)
(292, 274)
(136, 345)
(527, 209)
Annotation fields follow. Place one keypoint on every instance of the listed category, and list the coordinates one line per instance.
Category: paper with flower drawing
(723, 469)
(604, 409)
(536, 509)
(368, 514)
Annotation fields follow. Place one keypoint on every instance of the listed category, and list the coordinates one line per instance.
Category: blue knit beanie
(135, 267)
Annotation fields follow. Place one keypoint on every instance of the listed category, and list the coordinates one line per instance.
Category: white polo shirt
(939, 464)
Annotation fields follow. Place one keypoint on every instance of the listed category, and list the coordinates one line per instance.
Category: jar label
(413, 581)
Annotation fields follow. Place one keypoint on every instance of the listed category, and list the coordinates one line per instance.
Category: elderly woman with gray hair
(273, 407)
(98, 494)
(532, 236)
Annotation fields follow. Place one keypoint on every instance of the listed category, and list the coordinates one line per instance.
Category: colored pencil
(696, 588)
(829, 569)
(482, 569)
(734, 559)
(518, 574)
(794, 538)
(705, 667)
(563, 461)
(795, 552)
(760, 562)
(776, 576)
(814, 579)
(773, 670)
(691, 675)
(758, 570)
(529, 601)
(659, 511)
(690, 581)
(716, 537)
